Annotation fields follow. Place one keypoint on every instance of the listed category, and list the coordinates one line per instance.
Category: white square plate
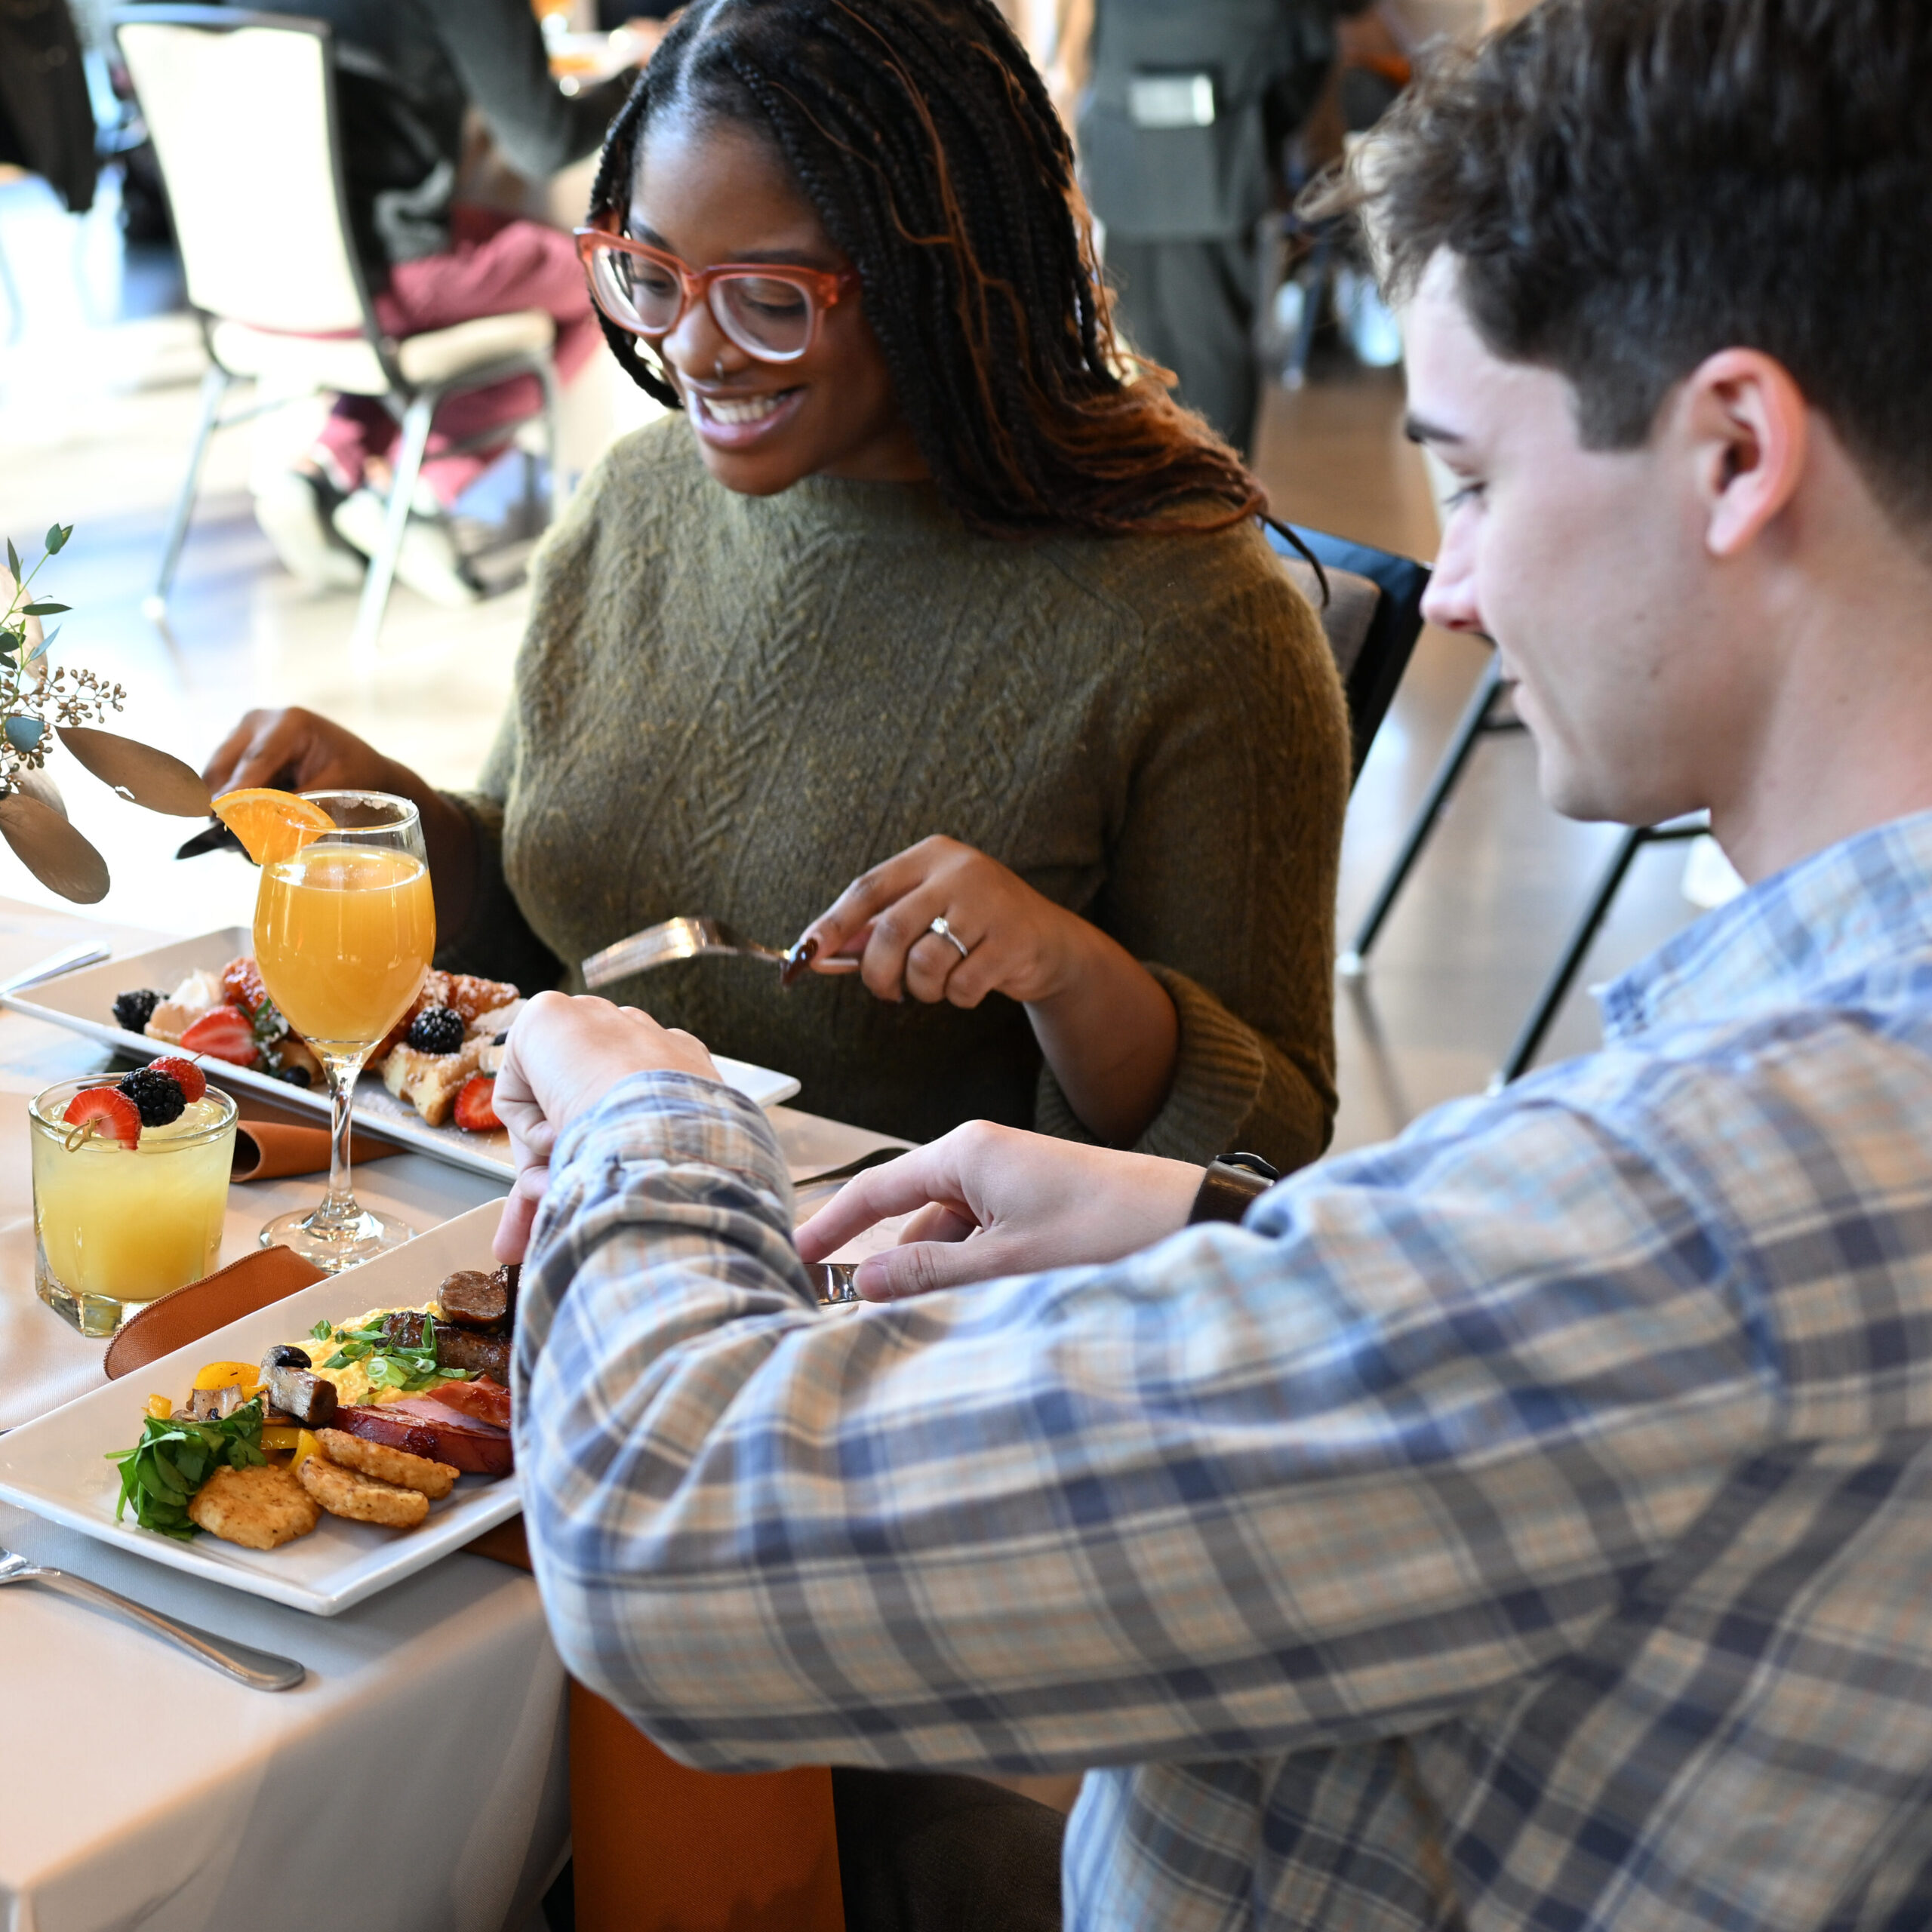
(83, 1001)
(56, 1466)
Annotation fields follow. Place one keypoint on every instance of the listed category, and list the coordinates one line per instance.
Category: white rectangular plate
(56, 1466)
(83, 1001)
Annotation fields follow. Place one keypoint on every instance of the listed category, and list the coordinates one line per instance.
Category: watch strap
(1230, 1186)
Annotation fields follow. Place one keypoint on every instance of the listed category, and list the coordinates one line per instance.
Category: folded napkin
(270, 1274)
(272, 1142)
(273, 1150)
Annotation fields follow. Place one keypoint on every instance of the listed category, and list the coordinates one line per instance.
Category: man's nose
(1450, 603)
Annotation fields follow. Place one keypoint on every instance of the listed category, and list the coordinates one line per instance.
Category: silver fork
(260, 1670)
(687, 939)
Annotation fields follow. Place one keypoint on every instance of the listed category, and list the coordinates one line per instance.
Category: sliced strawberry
(224, 1034)
(476, 1106)
(193, 1082)
(114, 1116)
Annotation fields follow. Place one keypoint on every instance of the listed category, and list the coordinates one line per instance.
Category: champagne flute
(344, 930)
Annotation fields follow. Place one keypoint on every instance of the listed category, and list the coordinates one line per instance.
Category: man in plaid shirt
(1526, 1523)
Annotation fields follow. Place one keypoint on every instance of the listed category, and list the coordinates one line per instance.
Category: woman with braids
(922, 587)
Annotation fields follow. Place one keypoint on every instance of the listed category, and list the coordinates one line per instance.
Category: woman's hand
(1017, 942)
(1108, 1029)
(296, 750)
(299, 751)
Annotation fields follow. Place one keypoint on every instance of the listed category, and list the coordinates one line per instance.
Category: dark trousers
(927, 1852)
(1190, 306)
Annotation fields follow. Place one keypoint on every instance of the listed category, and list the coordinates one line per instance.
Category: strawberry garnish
(110, 1113)
(193, 1082)
(476, 1106)
(224, 1034)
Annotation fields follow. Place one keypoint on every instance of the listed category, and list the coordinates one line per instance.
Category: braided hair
(920, 132)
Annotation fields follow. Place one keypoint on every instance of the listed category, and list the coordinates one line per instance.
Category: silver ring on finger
(944, 928)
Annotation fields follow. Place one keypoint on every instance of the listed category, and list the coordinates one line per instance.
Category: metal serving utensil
(85, 954)
(877, 1157)
(260, 1670)
(688, 939)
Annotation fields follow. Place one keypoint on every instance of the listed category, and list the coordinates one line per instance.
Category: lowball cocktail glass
(116, 1228)
(344, 930)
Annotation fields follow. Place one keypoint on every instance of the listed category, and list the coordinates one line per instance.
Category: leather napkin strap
(272, 1150)
(269, 1275)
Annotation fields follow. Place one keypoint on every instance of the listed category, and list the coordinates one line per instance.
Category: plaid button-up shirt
(1528, 1523)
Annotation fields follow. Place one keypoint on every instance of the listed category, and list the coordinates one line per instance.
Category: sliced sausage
(469, 1299)
(488, 1354)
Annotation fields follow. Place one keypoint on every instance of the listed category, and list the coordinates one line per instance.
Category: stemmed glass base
(340, 1232)
(332, 1242)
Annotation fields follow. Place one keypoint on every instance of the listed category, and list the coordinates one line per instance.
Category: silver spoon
(260, 1670)
(688, 939)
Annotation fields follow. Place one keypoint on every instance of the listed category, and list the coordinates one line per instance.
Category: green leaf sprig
(163, 1472)
(387, 1363)
(33, 695)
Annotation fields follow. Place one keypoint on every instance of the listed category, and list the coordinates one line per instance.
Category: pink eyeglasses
(771, 311)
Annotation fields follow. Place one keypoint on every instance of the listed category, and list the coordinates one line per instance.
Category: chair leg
(402, 487)
(1475, 721)
(1321, 275)
(1556, 988)
(214, 388)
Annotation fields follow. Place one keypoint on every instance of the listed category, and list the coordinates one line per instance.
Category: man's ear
(1749, 431)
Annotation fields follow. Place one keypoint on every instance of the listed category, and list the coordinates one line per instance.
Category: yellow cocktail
(117, 1227)
(345, 924)
(343, 935)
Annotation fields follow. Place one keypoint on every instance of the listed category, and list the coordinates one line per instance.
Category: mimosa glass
(116, 1228)
(344, 930)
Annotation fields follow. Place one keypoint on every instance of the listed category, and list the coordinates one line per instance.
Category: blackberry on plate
(296, 1076)
(436, 1029)
(157, 1095)
(133, 1010)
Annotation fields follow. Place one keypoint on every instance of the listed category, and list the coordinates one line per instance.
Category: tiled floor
(93, 428)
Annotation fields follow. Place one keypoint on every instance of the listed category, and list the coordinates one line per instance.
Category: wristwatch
(1229, 1186)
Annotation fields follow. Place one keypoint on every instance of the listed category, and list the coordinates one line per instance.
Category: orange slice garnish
(271, 825)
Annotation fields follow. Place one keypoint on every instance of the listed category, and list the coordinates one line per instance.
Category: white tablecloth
(416, 1783)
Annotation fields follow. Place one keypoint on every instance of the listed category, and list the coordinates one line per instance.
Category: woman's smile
(729, 420)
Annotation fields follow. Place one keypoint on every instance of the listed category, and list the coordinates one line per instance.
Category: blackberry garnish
(296, 1076)
(158, 1096)
(436, 1030)
(132, 1011)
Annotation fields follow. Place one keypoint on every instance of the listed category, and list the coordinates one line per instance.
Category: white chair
(241, 107)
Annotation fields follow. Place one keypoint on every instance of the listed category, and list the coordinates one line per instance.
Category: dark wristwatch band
(1230, 1186)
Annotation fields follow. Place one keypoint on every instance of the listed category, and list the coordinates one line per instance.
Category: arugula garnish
(164, 1471)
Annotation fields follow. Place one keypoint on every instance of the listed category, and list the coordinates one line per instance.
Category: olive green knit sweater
(731, 706)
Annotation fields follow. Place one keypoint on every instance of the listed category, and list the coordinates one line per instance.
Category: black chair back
(1371, 671)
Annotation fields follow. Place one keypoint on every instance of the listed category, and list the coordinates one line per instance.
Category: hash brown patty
(433, 1479)
(260, 1508)
(360, 1499)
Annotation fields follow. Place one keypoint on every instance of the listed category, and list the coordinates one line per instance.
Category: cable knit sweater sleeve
(1223, 870)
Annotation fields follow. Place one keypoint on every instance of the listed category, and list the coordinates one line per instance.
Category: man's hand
(562, 1057)
(989, 1201)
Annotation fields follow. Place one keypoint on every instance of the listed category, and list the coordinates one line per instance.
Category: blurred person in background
(1182, 129)
(406, 72)
(46, 123)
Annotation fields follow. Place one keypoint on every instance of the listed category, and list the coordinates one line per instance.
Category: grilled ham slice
(426, 1426)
